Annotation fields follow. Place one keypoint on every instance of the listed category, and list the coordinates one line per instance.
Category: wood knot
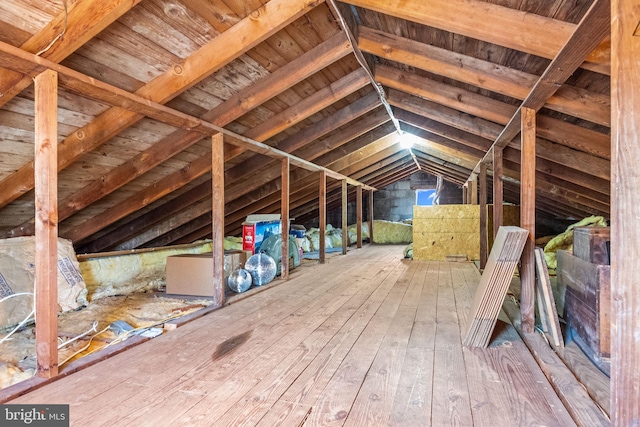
(177, 69)
(255, 15)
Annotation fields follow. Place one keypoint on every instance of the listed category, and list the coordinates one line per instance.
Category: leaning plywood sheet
(443, 230)
(493, 286)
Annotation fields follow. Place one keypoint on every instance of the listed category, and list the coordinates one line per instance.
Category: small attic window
(425, 197)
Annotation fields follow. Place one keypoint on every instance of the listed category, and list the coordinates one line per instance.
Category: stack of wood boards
(493, 286)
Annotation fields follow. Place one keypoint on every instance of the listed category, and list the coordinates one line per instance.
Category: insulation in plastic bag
(232, 243)
(335, 237)
(17, 275)
(392, 232)
(408, 251)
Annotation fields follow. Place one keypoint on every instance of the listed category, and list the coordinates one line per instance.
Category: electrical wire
(94, 328)
(25, 320)
(86, 346)
(15, 295)
(59, 36)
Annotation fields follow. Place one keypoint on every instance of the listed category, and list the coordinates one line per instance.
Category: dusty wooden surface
(365, 339)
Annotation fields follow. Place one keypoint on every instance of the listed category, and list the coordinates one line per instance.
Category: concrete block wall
(394, 202)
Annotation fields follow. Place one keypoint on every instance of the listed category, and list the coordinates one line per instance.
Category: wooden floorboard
(367, 339)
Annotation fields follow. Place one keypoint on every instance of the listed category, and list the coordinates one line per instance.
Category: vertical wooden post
(528, 217)
(625, 213)
(284, 215)
(473, 189)
(359, 216)
(370, 216)
(498, 191)
(46, 226)
(483, 215)
(345, 231)
(465, 194)
(323, 215)
(217, 217)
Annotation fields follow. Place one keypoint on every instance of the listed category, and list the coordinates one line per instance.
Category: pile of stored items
(386, 232)
(102, 299)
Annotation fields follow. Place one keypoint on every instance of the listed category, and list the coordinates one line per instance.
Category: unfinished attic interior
(149, 147)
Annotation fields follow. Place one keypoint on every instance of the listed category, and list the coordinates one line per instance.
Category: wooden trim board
(546, 303)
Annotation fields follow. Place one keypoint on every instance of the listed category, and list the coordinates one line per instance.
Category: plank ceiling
(286, 73)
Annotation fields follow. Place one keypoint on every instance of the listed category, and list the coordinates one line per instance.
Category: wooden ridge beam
(491, 23)
(361, 59)
(591, 30)
(517, 84)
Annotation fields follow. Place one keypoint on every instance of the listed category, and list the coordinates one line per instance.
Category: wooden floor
(367, 339)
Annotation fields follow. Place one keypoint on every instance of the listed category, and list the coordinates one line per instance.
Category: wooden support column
(465, 195)
(370, 216)
(473, 189)
(217, 216)
(528, 217)
(322, 202)
(359, 216)
(345, 230)
(498, 191)
(46, 226)
(625, 213)
(483, 215)
(284, 215)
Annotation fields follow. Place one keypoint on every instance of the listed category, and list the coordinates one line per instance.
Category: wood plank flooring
(367, 339)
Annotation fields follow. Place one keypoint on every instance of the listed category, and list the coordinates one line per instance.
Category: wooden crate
(591, 244)
(586, 303)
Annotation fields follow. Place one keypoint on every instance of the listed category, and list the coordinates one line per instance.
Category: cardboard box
(192, 274)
